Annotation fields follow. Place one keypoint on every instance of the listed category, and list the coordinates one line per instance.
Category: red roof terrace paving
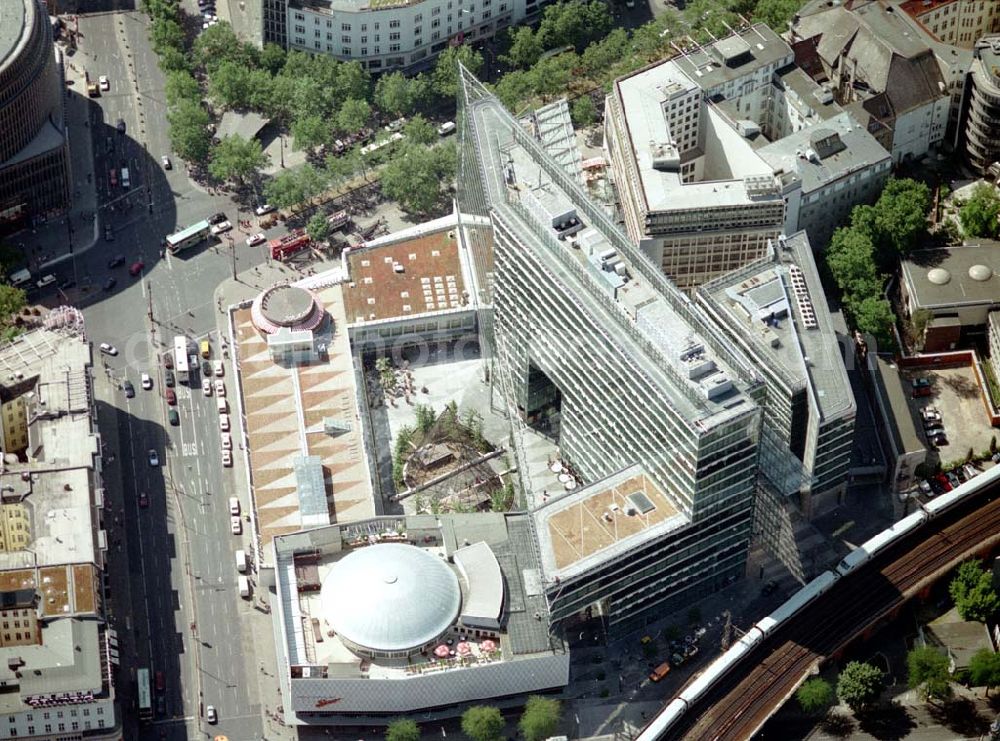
(406, 278)
(285, 408)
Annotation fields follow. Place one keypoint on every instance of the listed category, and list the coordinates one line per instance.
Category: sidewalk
(49, 244)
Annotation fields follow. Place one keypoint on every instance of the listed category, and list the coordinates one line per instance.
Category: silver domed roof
(980, 272)
(391, 597)
(938, 276)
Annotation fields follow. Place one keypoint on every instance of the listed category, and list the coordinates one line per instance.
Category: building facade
(34, 148)
(982, 124)
(387, 35)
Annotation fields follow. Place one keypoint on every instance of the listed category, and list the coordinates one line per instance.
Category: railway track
(740, 703)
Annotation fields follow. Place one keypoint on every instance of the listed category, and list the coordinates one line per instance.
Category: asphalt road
(174, 563)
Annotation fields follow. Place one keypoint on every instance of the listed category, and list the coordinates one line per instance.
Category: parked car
(934, 431)
(930, 414)
(174, 417)
(136, 267)
(210, 714)
(939, 440)
(143, 499)
(922, 391)
(920, 382)
(236, 525)
(226, 441)
(168, 378)
(925, 488)
(220, 387)
(206, 386)
(970, 471)
(227, 458)
(147, 381)
(224, 422)
(943, 482)
(167, 164)
(171, 396)
(263, 209)
(110, 283)
(953, 479)
(104, 83)
(254, 239)
(217, 218)
(219, 368)
(129, 389)
(108, 349)
(206, 369)
(154, 458)
(115, 261)
(168, 360)
(221, 227)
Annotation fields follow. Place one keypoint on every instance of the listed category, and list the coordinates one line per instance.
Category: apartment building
(694, 195)
(388, 34)
(775, 310)
(57, 652)
(958, 23)
(630, 378)
(982, 125)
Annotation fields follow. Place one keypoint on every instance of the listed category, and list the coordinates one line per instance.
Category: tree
(402, 730)
(318, 228)
(978, 215)
(973, 592)
(12, 300)
(444, 81)
(181, 85)
(514, 88)
(849, 256)
(172, 60)
(189, 135)
(574, 23)
(603, 55)
(236, 158)
(272, 58)
(420, 131)
(583, 111)
(860, 685)
(292, 187)
(482, 723)
(525, 47)
(540, 718)
(310, 132)
(901, 215)
(413, 177)
(928, 670)
(552, 75)
(218, 44)
(394, 94)
(230, 85)
(815, 696)
(984, 669)
(776, 13)
(874, 315)
(166, 34)
(353, 115)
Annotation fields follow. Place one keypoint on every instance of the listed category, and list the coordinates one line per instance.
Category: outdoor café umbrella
(441, 651)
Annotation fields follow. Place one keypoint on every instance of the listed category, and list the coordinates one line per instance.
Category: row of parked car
(946, 481)
(933, 426)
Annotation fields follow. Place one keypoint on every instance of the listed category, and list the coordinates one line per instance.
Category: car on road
(236, 525)
(920, 391)
(227, 441)
(168, 360)
(219, 368)
(173, 417)
(171, 396)
(129, 389)
(103, 82)
(210, 714)
(109, 349)
(206, 386)
(168, 379)
(154, 458)
(136, 267)
(147, 381)
(221, 227)
(227, 458)
(234, 506)
(254, 239)
(224, 422)
(109, 233)
(930, 414)
(263, 209)
(920, 382)
(110, 283)
(220, 387)
(206, 369)
(143, 499)
(161, 706)
(113, 177)
(120, 126)
(167, 165)
(217, 218)
(115, 261)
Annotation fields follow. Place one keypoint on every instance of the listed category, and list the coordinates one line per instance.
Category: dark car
(136, 267)
(171, 396)
(174, 417)
(217, 218)
(919, 383)
(68, 283)
(922, 391)
(168, 378)
(168, 360)
(120, 126)
(109, 234)
(770, 588)
(939, 440)
(115, 261)
(206, 369)
(943, 481)
(161, 705)
(110, 283)
(143, 499)
(129, 389)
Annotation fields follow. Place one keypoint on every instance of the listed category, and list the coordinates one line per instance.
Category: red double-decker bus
(289, 244)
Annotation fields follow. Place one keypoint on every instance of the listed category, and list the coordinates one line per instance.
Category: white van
(126, 183)
(241, 561)
(19, 277)
(244, 585)
(448, 127)
(220, 404)
(234, 506)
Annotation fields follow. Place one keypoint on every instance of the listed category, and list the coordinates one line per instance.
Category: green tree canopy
(901, 215)
(12, 300)
(874, 315)
(414, 175)
(318, 228)
(525, 47)
(540, 718)
(293, 187)
(420, 131)
(860, 685)
(310, 132)
(552, 75)
(973, 592)
(815, 695)
(353, 115)
(602, 55)
(482, 723)
(514, 88)
(445, 77)
(984, 669)
(181, 85)
(230, 85)
(238, 159)
(272, 58)
(927, 669)
(166, 33)
(172, 60)
(583, 111)
(574, 23)
(776, 13)
(402, 730)
(850, 257)
(394, 94)
(218, 44)
(978, 215)
(189, 135)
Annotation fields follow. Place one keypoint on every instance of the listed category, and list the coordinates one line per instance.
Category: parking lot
(955, 394)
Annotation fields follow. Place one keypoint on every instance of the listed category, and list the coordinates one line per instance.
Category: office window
(345, 26)
(436, 11)
(345, 39)
(329, 36)
(300, 29)
(364, 51)
(417, 31)
(316, 33)
(364, 40)
(394, 36)
(393, 24)
(393, 47)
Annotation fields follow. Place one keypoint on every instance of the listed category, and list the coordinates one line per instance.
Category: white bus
(181, 360)
(188, 237)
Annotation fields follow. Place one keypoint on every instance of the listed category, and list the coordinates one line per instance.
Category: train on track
(669, 717)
